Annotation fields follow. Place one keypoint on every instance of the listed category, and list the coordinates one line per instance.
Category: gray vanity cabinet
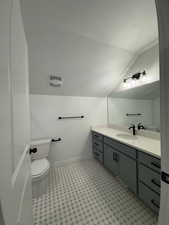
(121, 160)
(149, 180)
(111, 159)
(140, 171)
(149, 197)
(97, 143)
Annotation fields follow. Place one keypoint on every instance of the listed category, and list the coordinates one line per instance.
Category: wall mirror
(136, 105)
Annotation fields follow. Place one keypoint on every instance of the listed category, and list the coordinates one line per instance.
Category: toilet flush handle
(32, 150)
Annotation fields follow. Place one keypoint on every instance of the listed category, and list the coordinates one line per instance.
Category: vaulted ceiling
(88, 43)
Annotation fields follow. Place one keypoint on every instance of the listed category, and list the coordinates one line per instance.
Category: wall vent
(55, 81)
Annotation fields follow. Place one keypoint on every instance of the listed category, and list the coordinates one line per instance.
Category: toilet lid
(39, 167)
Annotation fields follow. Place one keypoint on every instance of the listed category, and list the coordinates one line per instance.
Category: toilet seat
(39, 168)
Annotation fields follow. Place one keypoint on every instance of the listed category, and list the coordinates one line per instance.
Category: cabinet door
(111, 159)
(128, 172)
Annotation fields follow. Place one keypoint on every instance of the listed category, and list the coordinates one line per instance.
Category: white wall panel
(75, 133)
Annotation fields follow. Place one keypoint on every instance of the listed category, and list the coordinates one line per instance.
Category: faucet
(140, 126)
(133, 127)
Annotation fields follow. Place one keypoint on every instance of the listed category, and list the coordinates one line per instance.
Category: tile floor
(84, 193)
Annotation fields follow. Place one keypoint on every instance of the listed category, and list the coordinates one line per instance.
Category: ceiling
(88, 43)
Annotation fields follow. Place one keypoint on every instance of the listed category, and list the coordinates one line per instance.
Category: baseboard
(71, 160)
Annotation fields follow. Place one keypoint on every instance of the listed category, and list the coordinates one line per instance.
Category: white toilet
(40, 167)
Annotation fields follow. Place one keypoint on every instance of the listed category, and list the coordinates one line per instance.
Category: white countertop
(145, 144)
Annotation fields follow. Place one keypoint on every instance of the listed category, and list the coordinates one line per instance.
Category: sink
(126, 136)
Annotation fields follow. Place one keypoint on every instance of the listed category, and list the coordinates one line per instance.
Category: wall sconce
(135, 76)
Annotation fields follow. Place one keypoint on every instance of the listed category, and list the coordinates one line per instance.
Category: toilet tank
(43, 147)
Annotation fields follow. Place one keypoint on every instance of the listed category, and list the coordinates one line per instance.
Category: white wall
(75, 133)
(118, 108)
(156, 112)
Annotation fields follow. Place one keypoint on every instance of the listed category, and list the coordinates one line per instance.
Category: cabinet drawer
(150, 161)
(98, 144)
(150, 198)
(121, 147)
(150, 178)
(98, 155)
(97, 136)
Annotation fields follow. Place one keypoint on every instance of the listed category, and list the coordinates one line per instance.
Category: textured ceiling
(89, 43)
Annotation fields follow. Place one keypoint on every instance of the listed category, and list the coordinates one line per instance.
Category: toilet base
(39, 186)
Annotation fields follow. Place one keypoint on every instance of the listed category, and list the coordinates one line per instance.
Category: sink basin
(126, 136)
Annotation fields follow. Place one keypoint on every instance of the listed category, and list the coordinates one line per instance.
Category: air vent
(55, 81)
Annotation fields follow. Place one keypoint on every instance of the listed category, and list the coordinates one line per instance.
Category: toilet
(40, 167)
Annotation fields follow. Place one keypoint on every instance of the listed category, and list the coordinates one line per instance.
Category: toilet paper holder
(56, 140)
(32, 150)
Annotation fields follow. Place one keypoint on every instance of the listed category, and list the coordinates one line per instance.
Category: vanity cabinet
(121, 161)
(125, 149)
(140, 171)
(149, 180)
(97, 143)
(150, 161)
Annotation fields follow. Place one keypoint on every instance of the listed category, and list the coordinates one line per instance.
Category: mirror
(135, 105)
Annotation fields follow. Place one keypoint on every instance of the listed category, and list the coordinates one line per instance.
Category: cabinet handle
(155, 165)
(115, 157)
(155, 204)
(96, 136)
(155, 183)
(97, 154)
(96, 144)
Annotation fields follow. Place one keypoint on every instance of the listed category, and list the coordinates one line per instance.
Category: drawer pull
(97, 154)
(155, 204)
(155, 183)
(155, 165)
(96, 144)
(96, 136)
(115, 157)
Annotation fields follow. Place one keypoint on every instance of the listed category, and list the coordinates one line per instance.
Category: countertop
(149, 145)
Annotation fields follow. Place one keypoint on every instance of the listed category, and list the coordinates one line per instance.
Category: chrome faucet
(133, 127)
(140, 126)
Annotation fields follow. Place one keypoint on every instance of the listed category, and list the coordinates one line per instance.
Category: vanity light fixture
(135, 76)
